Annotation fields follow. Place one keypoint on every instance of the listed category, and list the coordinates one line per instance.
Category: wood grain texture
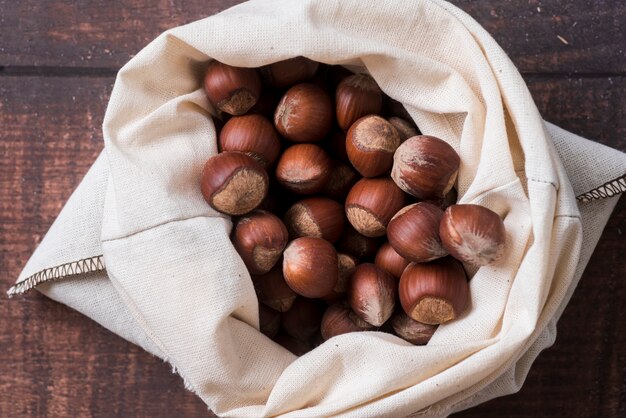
(104, 34)
(55, 362)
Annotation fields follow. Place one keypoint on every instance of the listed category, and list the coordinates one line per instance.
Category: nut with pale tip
(260, 238)
(410, 330)
(473, 234)
(318, 217)
(304, 114)
(233, 90)
(233, 183)
(370, 143)
(372, 294)
(253, 135)
(356, 96)
(273, 291)
(340, 319)
(435, 292)
(303, 169)
(310, 266)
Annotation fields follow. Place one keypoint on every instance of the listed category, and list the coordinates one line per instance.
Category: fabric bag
(137, 249)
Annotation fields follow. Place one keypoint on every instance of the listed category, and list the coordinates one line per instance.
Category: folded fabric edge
(606, 190)
(62, 271)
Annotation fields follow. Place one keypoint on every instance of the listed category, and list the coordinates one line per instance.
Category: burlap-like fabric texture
(174, 284)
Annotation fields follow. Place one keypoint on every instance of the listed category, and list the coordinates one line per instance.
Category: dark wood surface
(58, 60)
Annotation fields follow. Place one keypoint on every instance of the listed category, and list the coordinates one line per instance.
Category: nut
(273, 291)
(357, 245)
(233, 183)
(405, 129)
(410, 330)
(303, 169)
(260, 238)
(435, 292)
(339, 319)
(291, 71)
(269, 321)
(304, 114)
(372, 294)
(346, 264)
(389, 260)
(303, 319)
(233, 90)
(414, 232)
(425, 167)
(341, 179)
(318, 217)
(253, 135)
(371, 204)
(370, 143)
(356, 96)
(473, 234)
(310, 266)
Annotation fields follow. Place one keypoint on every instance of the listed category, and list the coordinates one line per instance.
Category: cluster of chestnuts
(318, 166)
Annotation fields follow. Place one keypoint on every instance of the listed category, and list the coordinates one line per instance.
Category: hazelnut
(303, 169)
(371, 204)
(339, 319)
(253, 135)
(319, 217)
(389, 260)
(310, 266)
(356, 96)
(294, 345)
(434, 292)
(304, 114)
(260, 238)
(405, 129)
(341, 179)
(291, 71)
(410, 330)
(372, 294)
(425, 167)
(370, 144)
(269, 321)
(233, 183)
(233, 90)
(346, 264)
(357, 245)
(303, 319)
(473, 234)
(273, 291)
(414, 232)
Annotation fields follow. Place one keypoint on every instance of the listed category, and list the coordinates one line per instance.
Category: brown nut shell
(260, 238)
(372, 294)
(473, 234)
(341, 179)
(356, 96)
(347, 264)
(359, 246)
(253, 135)
(233, 183)
(318, 217)
(273, 291)
(410, 330)
(233, 90)
(304, 114)
(303, 169)
(370, 143)
(303, 319)
(405, 128)
(339, 319)
(310, 266)
(371, 204)
(425, 167)
(389, 260)
(435, 292)
(414, 232)
(288, 72)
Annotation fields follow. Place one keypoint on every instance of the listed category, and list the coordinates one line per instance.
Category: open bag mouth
(171, 267)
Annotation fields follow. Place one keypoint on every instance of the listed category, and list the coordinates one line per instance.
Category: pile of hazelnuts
(341, 207)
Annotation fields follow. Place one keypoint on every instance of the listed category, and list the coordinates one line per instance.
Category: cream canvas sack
(137, 249)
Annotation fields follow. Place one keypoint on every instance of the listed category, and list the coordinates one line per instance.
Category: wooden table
(58, 61)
